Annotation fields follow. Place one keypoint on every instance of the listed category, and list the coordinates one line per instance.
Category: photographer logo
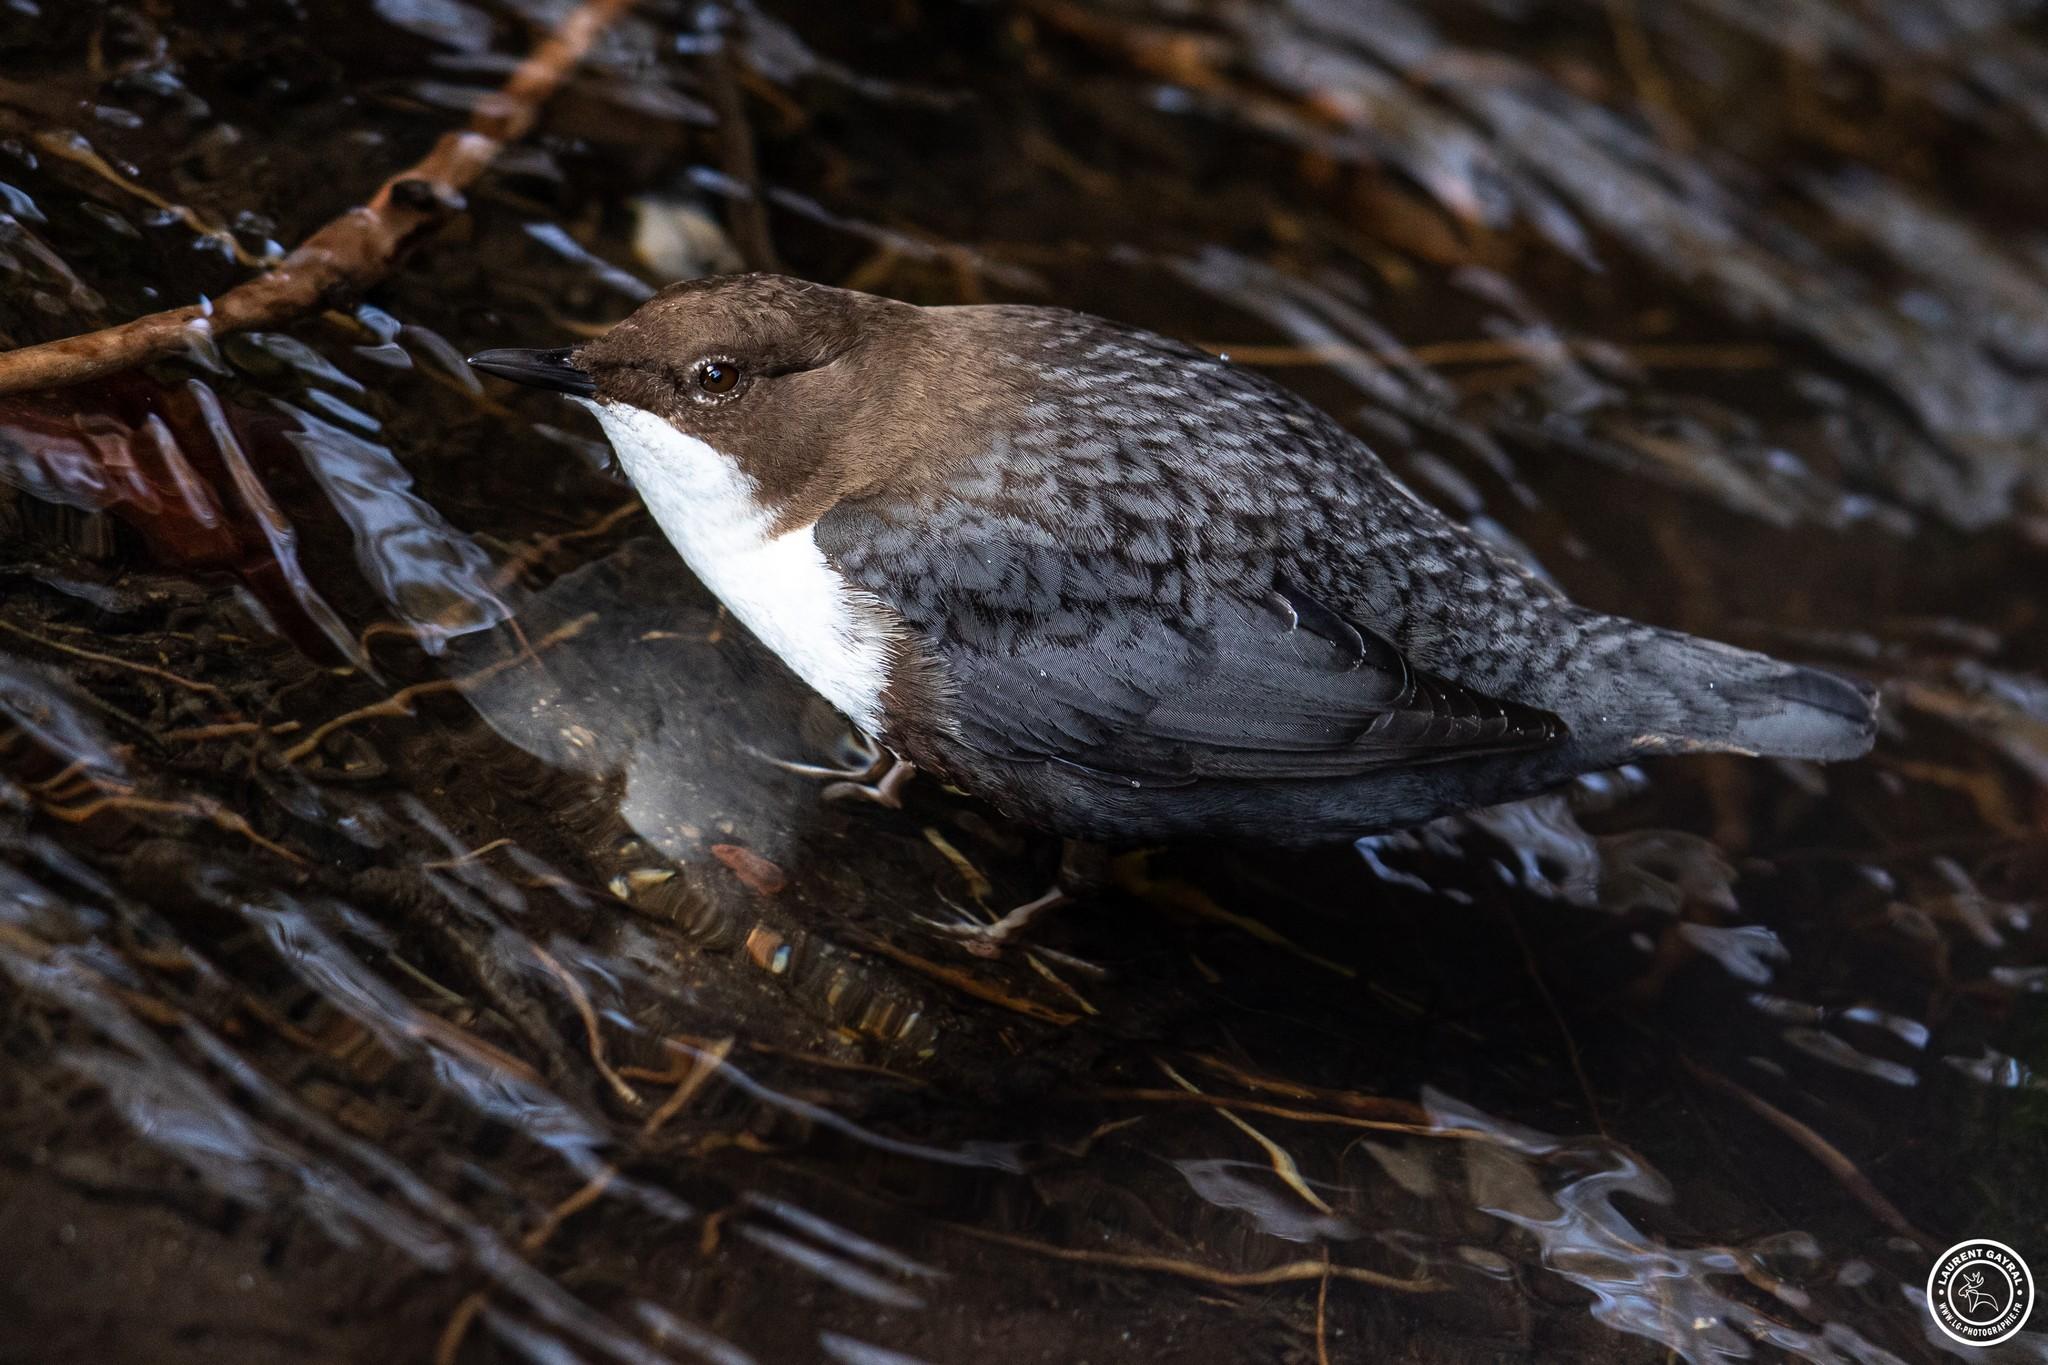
(1980, 1292)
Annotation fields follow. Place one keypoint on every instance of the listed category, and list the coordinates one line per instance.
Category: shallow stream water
(410, 951)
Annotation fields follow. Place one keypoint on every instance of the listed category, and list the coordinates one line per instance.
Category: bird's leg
(1083, 868)
(872, 774)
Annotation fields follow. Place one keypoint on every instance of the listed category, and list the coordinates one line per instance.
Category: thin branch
(1294, 1272)
(115, 661)
(196, 807)
(349, 254)
(1282, 1160)
(1820, 1149)
(399, 703)
(702, 1066)
(1323, 1312)
(1278, 1111)
(580, 998)
(968, 984)
(450, 1342)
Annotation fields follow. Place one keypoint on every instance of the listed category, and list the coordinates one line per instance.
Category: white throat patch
(780, 587)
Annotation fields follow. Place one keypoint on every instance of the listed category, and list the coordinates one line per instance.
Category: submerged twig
(702, 1065)
(479, 851)
(349, 254)
(671, 1075)
(1282, 1161)
(1132, 876)
(593, 1036)
(115, 661)
(969, 984)
(450, 1342)
(1820, 1149)
(543, 1232)
(1291, 1273)
(1281, 1111)
(1323, 1312)
(1564, 1028)
(1360, 1105)
(227, 730)
(399, 703)
(75, 149)
(195, 807)
(457, 1328)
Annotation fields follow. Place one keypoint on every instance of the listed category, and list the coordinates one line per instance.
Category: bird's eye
(718, 377)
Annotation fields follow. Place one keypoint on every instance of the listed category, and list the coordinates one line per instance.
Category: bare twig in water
(1278, 1111)
(77, 771)
(479, 851)
(465, 1312)
(1564, 1029)
(1323, 1313)
(1059, 983)
(196, 733)
(458, 1328)
(349, 254)
(196, 807)
(399, 703)
(75, 149)
(1364, 1106)
(1282, 1161)
(455, 1038)
(544, 1231)
(1291, 1273)
(1133, 876)
(670, 1075)
(969, 984)
(115, 661)
(703, 1064)
(977, 882)
(1820, 1149)
(593, 1036)
(520, 560)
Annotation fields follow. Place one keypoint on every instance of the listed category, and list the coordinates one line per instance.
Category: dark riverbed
(409, 951)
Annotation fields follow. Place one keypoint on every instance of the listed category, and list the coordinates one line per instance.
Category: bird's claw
(885, 791)
(988, 940)
(872, 774)
(982, 940)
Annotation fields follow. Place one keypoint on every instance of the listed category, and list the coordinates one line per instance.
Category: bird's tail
(1682, 693)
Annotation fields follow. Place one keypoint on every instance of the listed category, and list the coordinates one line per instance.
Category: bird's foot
(988, 939)
(871, 773)
(1083, 869)
(887, 790)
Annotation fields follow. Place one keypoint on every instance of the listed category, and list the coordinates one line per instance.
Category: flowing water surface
(412, 951)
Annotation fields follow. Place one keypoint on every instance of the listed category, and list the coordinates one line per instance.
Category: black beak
(542, 369)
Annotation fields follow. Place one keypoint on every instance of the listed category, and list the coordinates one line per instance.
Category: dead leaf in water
(760, 875)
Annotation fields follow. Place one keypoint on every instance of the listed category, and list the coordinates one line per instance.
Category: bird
(1125, 590)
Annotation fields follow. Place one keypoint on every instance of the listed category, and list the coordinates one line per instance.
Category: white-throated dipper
(1123, 589)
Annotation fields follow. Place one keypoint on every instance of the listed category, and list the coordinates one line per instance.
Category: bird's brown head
(815, 394)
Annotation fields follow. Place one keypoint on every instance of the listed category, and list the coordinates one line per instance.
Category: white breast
(828, 632)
